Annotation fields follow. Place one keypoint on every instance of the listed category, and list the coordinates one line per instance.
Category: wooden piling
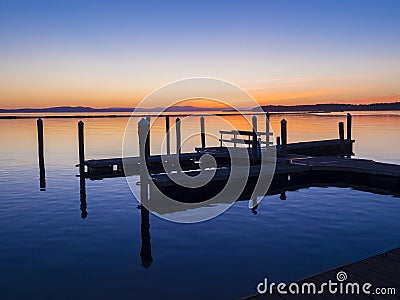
(254, 123)
(148, 137)
(203, 132)
(267, 129)
(42, 170)
(168, 137)
(284, 137)
(178, 135)
(81, 140)
(349, 124)
(40, 143)
(341, 137)
(254, 143)
(143, 131)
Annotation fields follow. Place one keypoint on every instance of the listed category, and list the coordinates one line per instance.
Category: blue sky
(112, 53)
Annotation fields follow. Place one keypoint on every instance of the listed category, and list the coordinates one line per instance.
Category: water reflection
(83, 205)
(145, 250)
(42, 177)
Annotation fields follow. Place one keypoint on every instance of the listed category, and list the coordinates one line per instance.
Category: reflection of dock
(381, 271)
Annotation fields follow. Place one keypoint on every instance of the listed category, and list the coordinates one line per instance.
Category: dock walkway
(381, 271)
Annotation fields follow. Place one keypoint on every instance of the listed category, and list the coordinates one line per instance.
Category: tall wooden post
(81, 140)
(143, 131)
(178, 135)
(349, 123)
(168, 137)
(254, 143)
(203, 132)
(148, 137)
(284, 137)
(267, 129)
(42, 170)
(341, 137)
(254, 123)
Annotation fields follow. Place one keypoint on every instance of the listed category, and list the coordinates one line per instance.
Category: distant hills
(332, 107)
(270, 108)
(86, 109)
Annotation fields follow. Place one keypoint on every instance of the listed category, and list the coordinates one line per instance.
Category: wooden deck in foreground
(381, 271)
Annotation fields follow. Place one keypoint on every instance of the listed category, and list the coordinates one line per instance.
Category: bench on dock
(244, 133)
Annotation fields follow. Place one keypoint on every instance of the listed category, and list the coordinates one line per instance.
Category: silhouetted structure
(145, 251)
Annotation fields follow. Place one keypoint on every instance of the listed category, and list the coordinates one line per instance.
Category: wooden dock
(381, 271)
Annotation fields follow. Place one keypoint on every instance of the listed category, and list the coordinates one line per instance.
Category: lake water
(48, 251)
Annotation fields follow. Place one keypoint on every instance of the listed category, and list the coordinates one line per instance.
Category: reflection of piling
(145, 250)
(178, 135)
(168, 137)
(284, 137)
(203, 132)
(349, 122)
(341, 137)
(144, 145)
(83, 197)
(81, 141)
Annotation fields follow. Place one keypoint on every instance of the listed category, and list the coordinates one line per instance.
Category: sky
(114, 53)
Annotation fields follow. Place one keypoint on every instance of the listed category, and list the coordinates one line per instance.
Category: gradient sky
(113, 53)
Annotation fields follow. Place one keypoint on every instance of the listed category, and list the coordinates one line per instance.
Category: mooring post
(254, 123)
(267, 129)
(42, 171)
(278, 144)
(284, 137)
(341, 137)
(81, 140)
(203, 132)
(178, 135)
(168, 137)
(143, 131)
(148, 137)
(349, 121)
(254, 151)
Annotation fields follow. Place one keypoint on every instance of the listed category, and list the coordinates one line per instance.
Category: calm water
(48, 251)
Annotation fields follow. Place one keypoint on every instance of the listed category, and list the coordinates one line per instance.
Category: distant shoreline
(66, 112)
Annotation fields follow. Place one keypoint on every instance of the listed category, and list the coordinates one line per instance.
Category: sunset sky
(113, 53)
